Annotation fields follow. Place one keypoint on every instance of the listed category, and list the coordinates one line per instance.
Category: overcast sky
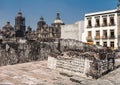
(70, 10)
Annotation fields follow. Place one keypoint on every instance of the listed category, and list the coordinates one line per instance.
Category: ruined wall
(71, 62)
(70, 44)
(13, 53)
(76, 66)
(82, 63)
(20, 51)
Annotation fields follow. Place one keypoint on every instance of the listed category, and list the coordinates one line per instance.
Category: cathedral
(47, 32)
(8, 30)
(44, 32)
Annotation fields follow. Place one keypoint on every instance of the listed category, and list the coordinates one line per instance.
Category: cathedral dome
(58, 19)
(7, 30)
(41, 22)
(8, 26)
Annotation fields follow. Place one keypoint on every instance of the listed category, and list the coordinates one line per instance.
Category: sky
(70, 10)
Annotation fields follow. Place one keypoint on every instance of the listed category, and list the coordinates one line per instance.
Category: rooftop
(101, 12)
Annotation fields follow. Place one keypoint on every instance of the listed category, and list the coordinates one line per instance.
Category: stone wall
(76, 66)
(82, 63)
(70, 63)
(13, 53)
(70, 44)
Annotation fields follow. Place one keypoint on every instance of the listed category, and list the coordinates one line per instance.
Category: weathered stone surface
(33, 73)
(113, 78)
(12, 53)
(37, 73)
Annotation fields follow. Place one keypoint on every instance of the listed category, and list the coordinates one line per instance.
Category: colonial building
(102, 28)
(72, 31)
(20, 27)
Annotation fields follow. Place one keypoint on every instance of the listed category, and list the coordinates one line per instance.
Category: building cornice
(100, 13)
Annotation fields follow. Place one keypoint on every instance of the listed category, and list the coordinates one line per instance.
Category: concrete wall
(72, 31)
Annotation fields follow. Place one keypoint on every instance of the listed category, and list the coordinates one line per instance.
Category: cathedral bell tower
(58, 21)
(56, 26)
(20, 27)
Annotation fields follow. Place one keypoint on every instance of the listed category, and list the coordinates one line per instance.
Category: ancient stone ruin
(21, 51)
(77, 58)
(66, 55)
(84, 64)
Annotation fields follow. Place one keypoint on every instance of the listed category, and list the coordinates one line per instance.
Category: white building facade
(102, 28)
(72, 31)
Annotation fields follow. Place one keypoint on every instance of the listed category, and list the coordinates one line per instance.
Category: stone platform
(33, 73)
(37, 73)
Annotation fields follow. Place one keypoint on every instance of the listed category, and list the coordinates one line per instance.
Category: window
(104, 22)
(112, 21)
(104, 34)
(105, 44)
(97, 35)
(89, 24)
(97, 43)
(89, 33)
(112, 45)
(112, 35)
(97, 23)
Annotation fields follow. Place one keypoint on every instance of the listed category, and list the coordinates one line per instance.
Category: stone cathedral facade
(44, 32)
(47, 32)
(20, 27)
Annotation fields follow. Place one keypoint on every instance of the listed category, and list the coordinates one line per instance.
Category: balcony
(104, 37)
(97, 37)
(97, 25)
(89, 38)
(104, 24)
(111, 24)
(89, 26)
(112, 37)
